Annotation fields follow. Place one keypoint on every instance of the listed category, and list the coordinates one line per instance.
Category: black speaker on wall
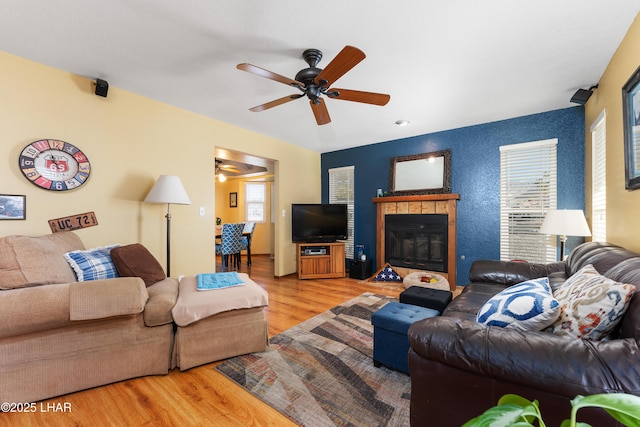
(582, 95)
(102, 87)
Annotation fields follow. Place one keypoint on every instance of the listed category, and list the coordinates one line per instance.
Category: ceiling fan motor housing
(312, 57)
(308, 75)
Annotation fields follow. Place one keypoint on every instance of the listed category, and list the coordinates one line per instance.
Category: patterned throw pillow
(92, 264)
(387, 274)
(527, 306)
(591, 305)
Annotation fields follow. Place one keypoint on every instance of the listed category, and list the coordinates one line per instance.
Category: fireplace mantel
(419, 204)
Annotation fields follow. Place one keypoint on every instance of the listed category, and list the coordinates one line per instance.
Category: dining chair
(230, 244)
(245, 240)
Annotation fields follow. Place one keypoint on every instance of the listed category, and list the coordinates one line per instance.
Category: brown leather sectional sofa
(459, 368)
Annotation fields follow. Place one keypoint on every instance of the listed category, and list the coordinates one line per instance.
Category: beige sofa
(58, 335)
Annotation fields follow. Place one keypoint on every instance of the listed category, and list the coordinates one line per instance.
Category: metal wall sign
(73, 222)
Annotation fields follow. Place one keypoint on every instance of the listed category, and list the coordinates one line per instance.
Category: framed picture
(631, 117)
(233, 200)
(13, 206)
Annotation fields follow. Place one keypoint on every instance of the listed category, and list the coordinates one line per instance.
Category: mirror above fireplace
(427, 173)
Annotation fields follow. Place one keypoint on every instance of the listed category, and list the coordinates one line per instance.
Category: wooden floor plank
(201, 395)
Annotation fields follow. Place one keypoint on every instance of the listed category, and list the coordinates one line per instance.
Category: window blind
(599, 179)
(255, 197)
(528, 189)
(341, 190)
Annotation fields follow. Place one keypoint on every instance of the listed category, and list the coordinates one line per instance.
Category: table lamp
(563, 223)
(168, 189)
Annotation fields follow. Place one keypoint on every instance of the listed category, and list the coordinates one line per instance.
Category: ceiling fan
(221, 167)
(314, 82)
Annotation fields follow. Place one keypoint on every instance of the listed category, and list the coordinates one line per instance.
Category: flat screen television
(319, 223)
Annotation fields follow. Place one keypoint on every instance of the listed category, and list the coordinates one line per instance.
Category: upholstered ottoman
(426, 297)
(390, 326)
(218, 324)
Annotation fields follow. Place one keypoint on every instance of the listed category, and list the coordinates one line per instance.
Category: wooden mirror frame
(415, 166)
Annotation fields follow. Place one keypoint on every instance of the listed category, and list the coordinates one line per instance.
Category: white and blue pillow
(92, 264)
(527, 306)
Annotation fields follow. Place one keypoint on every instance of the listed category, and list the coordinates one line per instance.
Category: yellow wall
(623, 206)
(130, 141)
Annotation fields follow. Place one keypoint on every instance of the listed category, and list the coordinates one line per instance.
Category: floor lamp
(168, 189)
(563, 223)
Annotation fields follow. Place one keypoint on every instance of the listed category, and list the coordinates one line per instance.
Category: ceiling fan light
(221, 177)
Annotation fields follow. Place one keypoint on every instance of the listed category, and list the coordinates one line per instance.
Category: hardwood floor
(200, 396)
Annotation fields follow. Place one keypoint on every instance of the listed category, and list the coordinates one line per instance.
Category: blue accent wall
(475, 175)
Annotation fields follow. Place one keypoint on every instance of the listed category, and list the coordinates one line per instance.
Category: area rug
(393, 286)
(320, 372)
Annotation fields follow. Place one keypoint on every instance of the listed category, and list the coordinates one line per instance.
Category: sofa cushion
(194, 305)
(99, 299)
(527, 306)
(162, 298)
(136, 261)
(34, 309)
(509, 273)
(32, 261)
(591, 305)
(556, 280)
(92, 264)
(473, 296)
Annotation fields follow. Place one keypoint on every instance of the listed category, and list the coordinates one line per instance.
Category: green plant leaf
(514, 399)
(625, 408)
(506, 415)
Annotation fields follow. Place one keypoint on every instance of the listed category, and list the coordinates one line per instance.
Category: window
(527, 191)
(255, 201)
(341, 191)
(599, 179)
(272, 191)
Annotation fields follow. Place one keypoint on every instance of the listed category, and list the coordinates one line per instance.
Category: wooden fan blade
(359, 96)
(275, 103)
(348, 58)
(268, 74)
(320, 111)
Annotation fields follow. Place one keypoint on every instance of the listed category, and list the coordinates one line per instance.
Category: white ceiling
(446, 64)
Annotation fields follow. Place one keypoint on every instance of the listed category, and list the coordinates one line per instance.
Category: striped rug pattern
(320, 372)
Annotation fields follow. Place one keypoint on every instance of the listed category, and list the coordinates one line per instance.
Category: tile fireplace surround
(427, 204)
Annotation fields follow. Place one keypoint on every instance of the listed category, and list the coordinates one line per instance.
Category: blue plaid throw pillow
(387, 274)
(92, 264)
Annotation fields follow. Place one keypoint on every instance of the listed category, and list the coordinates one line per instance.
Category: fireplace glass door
(417, 241)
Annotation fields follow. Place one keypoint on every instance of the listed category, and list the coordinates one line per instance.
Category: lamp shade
(565, 222)
(168, 189)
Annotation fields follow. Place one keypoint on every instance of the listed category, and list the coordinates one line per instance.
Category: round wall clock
(54, 165)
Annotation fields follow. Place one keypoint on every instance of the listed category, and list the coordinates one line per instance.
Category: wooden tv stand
(320, 260)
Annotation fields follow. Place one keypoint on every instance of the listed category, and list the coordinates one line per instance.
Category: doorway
(235, 172)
